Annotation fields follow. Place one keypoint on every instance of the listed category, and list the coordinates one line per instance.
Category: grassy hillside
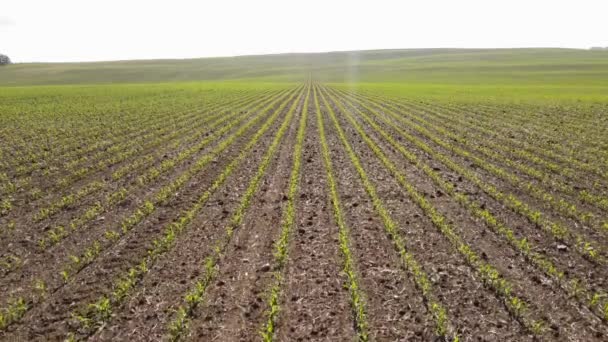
(568, 73)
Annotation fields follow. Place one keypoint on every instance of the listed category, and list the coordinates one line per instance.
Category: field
(467, 209)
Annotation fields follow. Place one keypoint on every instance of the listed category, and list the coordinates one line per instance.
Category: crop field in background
(300, 211)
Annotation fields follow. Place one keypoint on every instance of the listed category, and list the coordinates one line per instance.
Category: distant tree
(4, 60)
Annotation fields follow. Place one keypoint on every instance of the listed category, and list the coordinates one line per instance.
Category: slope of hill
(415, 65)
(514, 74)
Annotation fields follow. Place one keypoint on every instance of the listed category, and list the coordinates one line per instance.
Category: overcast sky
(89, 30)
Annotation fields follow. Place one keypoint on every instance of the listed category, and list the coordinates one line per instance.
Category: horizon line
(299, 53)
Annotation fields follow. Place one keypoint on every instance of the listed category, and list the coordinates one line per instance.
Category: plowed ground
(314, 213)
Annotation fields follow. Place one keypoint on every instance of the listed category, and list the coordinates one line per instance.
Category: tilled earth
(216, 277)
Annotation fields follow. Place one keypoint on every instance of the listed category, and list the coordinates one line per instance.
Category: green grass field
(466, 74)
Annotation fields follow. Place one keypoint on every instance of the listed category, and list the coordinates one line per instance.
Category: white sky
(88, 30)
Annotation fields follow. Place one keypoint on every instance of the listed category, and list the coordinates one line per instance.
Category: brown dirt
(235, 303)
(50, 317)
(314, 302)
(552, 303)
(454, 282)
(568, 259)
(315, 306)
(575, 226)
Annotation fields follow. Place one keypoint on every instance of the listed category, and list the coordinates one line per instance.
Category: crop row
(117, 153)
(226, 122)
(163, 195)
(86, 142)
(497, 150)
(99, 310)
(443, 326)
(560, 232)
(200, 129)
(349, 268)
(112, 236)
(487, 273)
(58, 232)
(572, 285)
(63, 143)
(568, 161)
(552, 200)
(578, 120)
(113, 155)
(179, 324)
(288, 223)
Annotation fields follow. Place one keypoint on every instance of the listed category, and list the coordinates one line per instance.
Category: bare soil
(314, 302)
